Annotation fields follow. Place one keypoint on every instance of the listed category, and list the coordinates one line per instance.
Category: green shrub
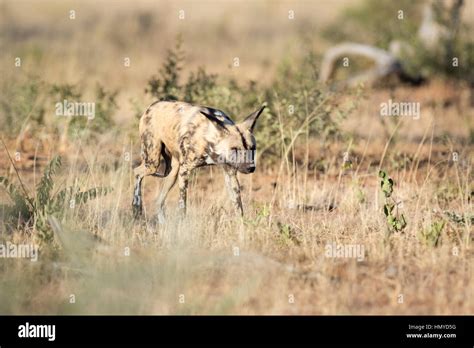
(21, 102)
(105, 107)
(28, 210)
(166, 84)
(297, 105)
(304, 100)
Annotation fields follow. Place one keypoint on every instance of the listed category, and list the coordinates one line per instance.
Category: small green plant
(431, 235)
(33, 210)
(261, 215)
(359, 193)
(287, 233)
(396, 222)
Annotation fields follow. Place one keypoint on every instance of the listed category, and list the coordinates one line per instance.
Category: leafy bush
(297, 105)
(200, 87)
(20, 103)
(105, 107)
(166, 84)
(304, 102)
(34, 210)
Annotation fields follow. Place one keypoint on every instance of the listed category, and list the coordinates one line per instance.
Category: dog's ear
(215, 116)
(251, 119)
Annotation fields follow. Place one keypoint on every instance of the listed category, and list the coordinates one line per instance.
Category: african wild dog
(177, 137)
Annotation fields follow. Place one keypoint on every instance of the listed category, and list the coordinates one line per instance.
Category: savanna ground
(317, 180)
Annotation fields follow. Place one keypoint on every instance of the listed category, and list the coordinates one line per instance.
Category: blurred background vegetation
(319, 147)
(179, 51)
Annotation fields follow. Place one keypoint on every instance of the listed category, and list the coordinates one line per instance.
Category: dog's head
(232, 143)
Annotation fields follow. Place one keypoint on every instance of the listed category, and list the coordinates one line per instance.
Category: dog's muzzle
(247, 170)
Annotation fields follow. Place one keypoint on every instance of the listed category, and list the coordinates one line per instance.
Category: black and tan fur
(177, 137)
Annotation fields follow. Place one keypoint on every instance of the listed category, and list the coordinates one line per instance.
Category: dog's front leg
(233, 188)
(183, 175)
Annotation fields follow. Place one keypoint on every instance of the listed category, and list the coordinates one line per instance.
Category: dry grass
(272, 262)
(197, 257)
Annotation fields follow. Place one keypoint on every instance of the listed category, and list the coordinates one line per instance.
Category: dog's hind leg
(139, 172)
(168, 184)
(151, 152)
